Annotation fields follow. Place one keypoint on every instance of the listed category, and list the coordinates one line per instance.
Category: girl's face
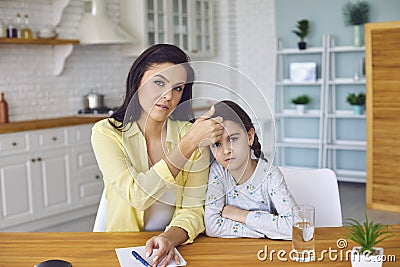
(161, 90)
(233, 150)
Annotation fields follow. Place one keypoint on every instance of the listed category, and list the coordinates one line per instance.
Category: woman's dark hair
(231, 111)
(154, 55)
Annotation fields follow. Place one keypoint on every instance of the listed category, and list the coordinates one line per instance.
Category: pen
(139, 258)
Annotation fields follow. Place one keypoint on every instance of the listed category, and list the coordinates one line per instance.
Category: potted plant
(367, 236)
(301, 101)
(301, 31)
(356, 14)
(357, 101)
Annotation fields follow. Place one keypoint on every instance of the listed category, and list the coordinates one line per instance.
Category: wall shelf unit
(329, 134)
(299, 134)
(344, 131)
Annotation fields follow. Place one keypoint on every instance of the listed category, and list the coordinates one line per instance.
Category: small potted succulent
(357, 101)
(356, 14)
(301, 101)
(367, 236)
(301, 31)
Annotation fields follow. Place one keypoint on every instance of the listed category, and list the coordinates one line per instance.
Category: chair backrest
(101, 216)
(318, 188)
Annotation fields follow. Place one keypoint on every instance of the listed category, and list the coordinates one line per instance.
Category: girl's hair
(154, 55)
(231, 111)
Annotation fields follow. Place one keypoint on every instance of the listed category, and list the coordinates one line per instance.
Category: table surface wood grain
(85, 249)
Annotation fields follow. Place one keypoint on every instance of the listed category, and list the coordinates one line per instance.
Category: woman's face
(161, 90)
(233, 150)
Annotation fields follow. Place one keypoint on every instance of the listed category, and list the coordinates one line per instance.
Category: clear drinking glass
(303, 221)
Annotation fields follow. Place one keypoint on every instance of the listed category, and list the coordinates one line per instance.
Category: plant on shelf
(356, 14)
(301, 31)
(367, 236)
(357, 101)
(301, 101)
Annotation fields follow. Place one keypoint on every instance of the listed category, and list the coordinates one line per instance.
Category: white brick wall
(33, 92)
(256, 45)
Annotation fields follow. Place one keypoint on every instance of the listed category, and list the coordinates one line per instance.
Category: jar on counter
(11, 30)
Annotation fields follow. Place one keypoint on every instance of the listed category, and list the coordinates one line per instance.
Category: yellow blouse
(132, 186)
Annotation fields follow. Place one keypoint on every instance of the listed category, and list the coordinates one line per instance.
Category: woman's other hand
(165, 250)
(206, 130)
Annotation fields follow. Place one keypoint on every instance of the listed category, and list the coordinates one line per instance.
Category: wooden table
(98, 249)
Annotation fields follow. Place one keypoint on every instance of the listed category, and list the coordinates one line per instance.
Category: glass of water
(303, 221)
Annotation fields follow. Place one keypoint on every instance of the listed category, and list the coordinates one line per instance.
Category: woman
(154, 169)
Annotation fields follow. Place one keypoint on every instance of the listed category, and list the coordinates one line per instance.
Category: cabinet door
(156, 22)
(16, 190)
(88, 183)
(180, 24)
(87, 180)
(202, 31)
(53, 176)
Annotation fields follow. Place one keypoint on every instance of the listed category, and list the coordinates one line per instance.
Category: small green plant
(356, 13)
(301, 100)
(354, 99)
(367, 235)
(302, 28)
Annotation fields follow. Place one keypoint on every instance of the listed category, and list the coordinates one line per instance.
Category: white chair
(318, 188)
(101, 216)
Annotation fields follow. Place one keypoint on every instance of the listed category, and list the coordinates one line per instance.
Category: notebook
(126, 259)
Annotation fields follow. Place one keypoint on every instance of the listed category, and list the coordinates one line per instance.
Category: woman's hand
(165, 250)
(206, 130)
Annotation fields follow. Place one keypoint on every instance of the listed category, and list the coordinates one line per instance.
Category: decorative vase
(300, 109)
(358, 109)
(302, 45)
(357, 39)
(360, 260)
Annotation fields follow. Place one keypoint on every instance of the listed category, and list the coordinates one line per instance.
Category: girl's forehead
(232, 126)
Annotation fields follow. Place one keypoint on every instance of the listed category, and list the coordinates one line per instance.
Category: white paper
(126, 259)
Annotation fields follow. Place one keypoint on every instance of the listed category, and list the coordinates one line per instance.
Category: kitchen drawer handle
(33, 160)
(14, 143)
(39, 159)
(54, 138)
(97, 176)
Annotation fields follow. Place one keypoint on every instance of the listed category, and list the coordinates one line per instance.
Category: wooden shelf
(39, 41)
(62, 48)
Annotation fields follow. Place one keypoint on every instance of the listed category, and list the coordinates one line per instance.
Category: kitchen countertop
(49, 123)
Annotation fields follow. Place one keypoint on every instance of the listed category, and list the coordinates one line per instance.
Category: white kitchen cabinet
(46, 177)
(52, 174)
(35, 183)
(16, 190)
(88, 180)
(185, 23)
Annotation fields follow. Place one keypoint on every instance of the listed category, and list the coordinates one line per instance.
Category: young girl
(245, 197)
